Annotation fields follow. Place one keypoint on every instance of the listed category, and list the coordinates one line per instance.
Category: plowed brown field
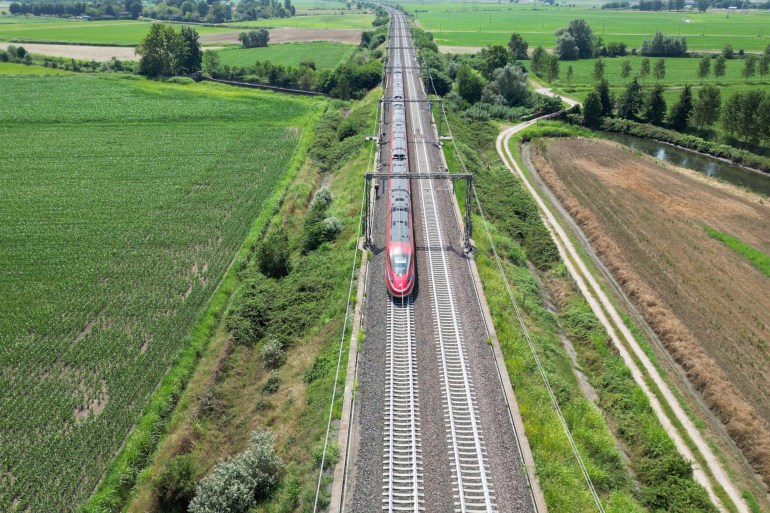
(708, 305)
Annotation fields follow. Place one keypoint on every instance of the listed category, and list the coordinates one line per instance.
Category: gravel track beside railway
(618, 332)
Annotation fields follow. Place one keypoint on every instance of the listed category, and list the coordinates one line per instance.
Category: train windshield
(400, 263)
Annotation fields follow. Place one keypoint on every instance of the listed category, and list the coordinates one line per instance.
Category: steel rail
(402, 487)
(473, 488)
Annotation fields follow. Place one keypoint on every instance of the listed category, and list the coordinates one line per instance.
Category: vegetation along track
(713, 474)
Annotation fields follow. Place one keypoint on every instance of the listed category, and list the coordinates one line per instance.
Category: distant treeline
(91, 9)
(171, 10)
(678, 5)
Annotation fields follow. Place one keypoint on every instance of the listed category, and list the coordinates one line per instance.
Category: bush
(272, 384)
(322, 200)
(272, 353)
(332, 228)
(250, 309)
(273, 255)
(238, 484)
(175, 486)
(180, 80)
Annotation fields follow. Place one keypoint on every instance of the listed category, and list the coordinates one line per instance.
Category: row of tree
(255, 38)
(678, 5)
(165, 52)
(100, 9)
(745, 114)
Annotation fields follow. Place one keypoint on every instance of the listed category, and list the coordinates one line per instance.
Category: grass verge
(756, 257)
(234, 390)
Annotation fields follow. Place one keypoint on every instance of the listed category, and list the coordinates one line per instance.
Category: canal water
(757, 182)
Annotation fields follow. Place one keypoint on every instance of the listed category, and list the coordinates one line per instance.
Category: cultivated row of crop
(116, 235)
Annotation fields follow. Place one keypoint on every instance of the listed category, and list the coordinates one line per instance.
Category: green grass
(322, 21)
(90, 32)
(679, 72)
(493, 24)
(325, 55)
(127, 201)
(756, 257)
(10, 68)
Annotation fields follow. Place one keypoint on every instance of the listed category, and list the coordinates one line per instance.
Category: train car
(400, 232)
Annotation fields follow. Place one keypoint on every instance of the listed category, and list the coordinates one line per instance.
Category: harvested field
(460, 49)
(88, 53)
(708, 304)
(84, 52)
(292, 35)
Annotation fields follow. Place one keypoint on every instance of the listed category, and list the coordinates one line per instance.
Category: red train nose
(401, 285)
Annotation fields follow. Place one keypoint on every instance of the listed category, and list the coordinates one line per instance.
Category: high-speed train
(400, 233)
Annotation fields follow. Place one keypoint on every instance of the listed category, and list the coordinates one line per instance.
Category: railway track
(402, 488)
(471, 484)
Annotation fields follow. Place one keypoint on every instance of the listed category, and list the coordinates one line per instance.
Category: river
(710, 166)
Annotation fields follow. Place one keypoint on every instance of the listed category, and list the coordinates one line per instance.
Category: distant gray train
(400, 242)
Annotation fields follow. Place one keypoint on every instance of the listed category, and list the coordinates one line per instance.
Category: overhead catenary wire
(522, 324)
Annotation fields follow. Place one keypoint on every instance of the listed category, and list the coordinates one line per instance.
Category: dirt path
(624, 341)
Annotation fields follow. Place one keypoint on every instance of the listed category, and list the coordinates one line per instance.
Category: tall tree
(631, 100)
(720, 66)
(538, 60)
(582, 38)
(660, 70)
(655, 107)
(552, 73)
(570, 74)
(704, 66)
(680, 112)
(159, 51)
(644, 69)
(592, 110)
(518, 47)
(625, 69)
(706, 110)
(469, 84)
(764, 65)
(598, 70)
(731, 114)
(602, 89)
(566, 47)
(494, 57)
(749, 67)
(190, 55)
(511, 81)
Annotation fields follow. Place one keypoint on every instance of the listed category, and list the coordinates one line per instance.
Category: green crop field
(123, 204)
(679, 72)
(353, 20)
(325, 55)
(493, 24)
(97, 32)
(9, 68)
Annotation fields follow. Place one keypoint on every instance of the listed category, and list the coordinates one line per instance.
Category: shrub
(322, 199)
(180, 80)
(273, 255)
(272, 353)
(250, 310)
(332, 228)
(238, 484)
(175, 486)
(272, 384)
